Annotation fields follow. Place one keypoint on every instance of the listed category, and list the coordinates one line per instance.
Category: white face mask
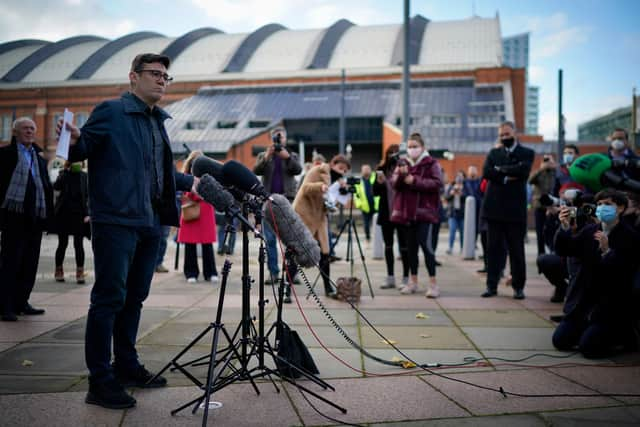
(617, 144)
(414, 152)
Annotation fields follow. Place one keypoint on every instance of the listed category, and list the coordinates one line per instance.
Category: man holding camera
(600, 320)
(278, 168)
(543, 182)
(505, 209)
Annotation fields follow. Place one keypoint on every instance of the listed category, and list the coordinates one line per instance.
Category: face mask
(335, 175)
(606, 213)
(617, 144)
(567, 158)
(76, 167)
(508, 142)
(414, 152)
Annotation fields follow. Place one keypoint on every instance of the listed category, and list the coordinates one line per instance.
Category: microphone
(213, 193)
(293, 233)
(206, 165)
(236, 174)
(595, 171)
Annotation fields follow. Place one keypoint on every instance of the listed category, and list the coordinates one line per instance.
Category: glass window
(6, 127)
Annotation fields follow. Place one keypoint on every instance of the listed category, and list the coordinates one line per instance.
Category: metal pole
(406, 79)
(560, 117)
(635, 143)
(342, 113)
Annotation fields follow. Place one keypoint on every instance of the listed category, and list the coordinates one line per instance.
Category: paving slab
(13, 384)
(475, 302)
(441, 357)
(620, 416)
(58, 313)
(432, 317)
(7, 345)
(497, 317)
(606, 379)
(543, 359)
(22, 331)
(44, 359)
(529, 381)
(500, 421)
(328, 336)
(54, 410)
(406, 337)
(292, 316)
(510, 338)
(371, 400)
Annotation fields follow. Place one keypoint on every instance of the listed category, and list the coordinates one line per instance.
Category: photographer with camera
(278, 168)
(543, 182)
(600, 320)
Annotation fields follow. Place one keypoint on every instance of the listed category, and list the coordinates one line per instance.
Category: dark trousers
(162, 248)
(191, 261)
(540, 216)
(366, 219)
(554, 269)
(63, 242)
(420, 235)
(125, 259)
(387, 234)
(19, 257)
(510, 234)
(593, 340)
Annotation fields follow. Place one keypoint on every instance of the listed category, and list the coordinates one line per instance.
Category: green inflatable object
(588, 169)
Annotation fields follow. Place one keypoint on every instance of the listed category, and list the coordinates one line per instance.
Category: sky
(595, 42)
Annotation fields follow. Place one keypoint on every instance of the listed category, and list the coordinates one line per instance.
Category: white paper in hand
(65, 136)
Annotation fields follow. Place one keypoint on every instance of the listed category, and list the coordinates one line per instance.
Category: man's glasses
(158, 75)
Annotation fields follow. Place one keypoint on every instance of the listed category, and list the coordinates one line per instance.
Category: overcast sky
(595, 42)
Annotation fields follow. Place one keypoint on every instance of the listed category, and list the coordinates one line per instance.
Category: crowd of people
(128, 195)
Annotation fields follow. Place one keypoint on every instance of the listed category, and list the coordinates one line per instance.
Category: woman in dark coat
(71, 216)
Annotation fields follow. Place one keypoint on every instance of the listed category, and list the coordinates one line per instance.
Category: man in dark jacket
(504, 208)
(132, 186)
(26, 203)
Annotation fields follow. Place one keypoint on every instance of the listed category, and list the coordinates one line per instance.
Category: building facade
(516, 55)
(600, 128)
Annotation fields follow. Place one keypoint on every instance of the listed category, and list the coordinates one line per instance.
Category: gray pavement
(43, 378)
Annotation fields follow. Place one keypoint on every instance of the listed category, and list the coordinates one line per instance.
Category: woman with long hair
(383, 188)
(197, 230)
(418, 181)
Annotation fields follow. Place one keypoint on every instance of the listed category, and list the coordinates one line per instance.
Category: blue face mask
(568, 158)
(606, 213)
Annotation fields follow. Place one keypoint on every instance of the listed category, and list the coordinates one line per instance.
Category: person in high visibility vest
(365, 200)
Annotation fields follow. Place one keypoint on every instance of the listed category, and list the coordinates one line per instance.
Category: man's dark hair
(149, 58)
(508, 123)
(626, 134)
(618, 197)
(277, 129)
(574, 147)
(339, 158)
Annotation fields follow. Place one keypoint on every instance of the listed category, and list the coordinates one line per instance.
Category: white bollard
(469, 244)
(378, 241)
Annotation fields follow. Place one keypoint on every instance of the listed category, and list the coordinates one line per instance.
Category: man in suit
(26, 201)
(504, 208)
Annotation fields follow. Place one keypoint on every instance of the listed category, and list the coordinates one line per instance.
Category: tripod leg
(364, 264)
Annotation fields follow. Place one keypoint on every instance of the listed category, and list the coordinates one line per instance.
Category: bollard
(469, 244)
(378, 241)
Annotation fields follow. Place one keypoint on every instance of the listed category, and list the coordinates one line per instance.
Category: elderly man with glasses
(132, 186)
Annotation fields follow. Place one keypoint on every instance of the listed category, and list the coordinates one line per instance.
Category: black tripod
(350, 225)
(245, 343)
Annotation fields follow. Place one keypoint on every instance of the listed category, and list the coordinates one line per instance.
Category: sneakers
(109, 394)
(59, 274)
(489, 293)
(213, 279)
(80, 275)
(390, 283)
(161, 269)
(410, 288)
(432, 291)
(192, 280)
(140, 378)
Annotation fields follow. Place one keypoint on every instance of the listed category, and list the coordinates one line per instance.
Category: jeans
(272, 249)
(456, 224)
(125, 259)
(366, 219)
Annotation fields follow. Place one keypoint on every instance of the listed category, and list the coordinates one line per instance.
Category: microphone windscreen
(241, 177)
(293, 233)
(589, 169)
(206, 165)
(213, 193)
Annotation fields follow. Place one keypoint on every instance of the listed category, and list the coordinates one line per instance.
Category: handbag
(349, 289)
(190, 211)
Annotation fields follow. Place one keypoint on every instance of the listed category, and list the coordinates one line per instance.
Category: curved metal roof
(328, 43)
(181, 43)
(367, 46)
(102, 55)
(17, 44)
(284, 50)
(18, 72)
(207, 56)
(243, 54)
(118, 65)
(417, 25)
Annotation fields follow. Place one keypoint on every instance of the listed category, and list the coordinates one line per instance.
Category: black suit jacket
(506, 199)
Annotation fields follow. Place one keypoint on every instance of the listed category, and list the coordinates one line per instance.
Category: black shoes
(333, 258)
(29, 310)
(109, 394)
(518, 294)
(558, 296)
(482, 271)
(557, 318)
(9, 317)
(286, 299)
(489, 293)
(140, 378)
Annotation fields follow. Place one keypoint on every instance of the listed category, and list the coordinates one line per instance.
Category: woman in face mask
(417, 181)
(599, 320)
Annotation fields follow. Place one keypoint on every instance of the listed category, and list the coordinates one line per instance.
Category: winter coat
(72, 204)
(201, 230)
(309, 204)
(290, 168)
(420, 200)
(544, 182)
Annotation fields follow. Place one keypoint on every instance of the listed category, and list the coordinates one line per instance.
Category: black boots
(325, 271)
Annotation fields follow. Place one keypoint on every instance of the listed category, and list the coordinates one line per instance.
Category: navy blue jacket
(117, 141)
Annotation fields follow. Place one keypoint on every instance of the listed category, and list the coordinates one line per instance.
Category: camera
(351, 181)
(277, 142)
(546, 159)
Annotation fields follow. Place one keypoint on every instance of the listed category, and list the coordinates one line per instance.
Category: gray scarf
(14, 199)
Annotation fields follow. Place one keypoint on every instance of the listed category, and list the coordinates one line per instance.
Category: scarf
(14, 199)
